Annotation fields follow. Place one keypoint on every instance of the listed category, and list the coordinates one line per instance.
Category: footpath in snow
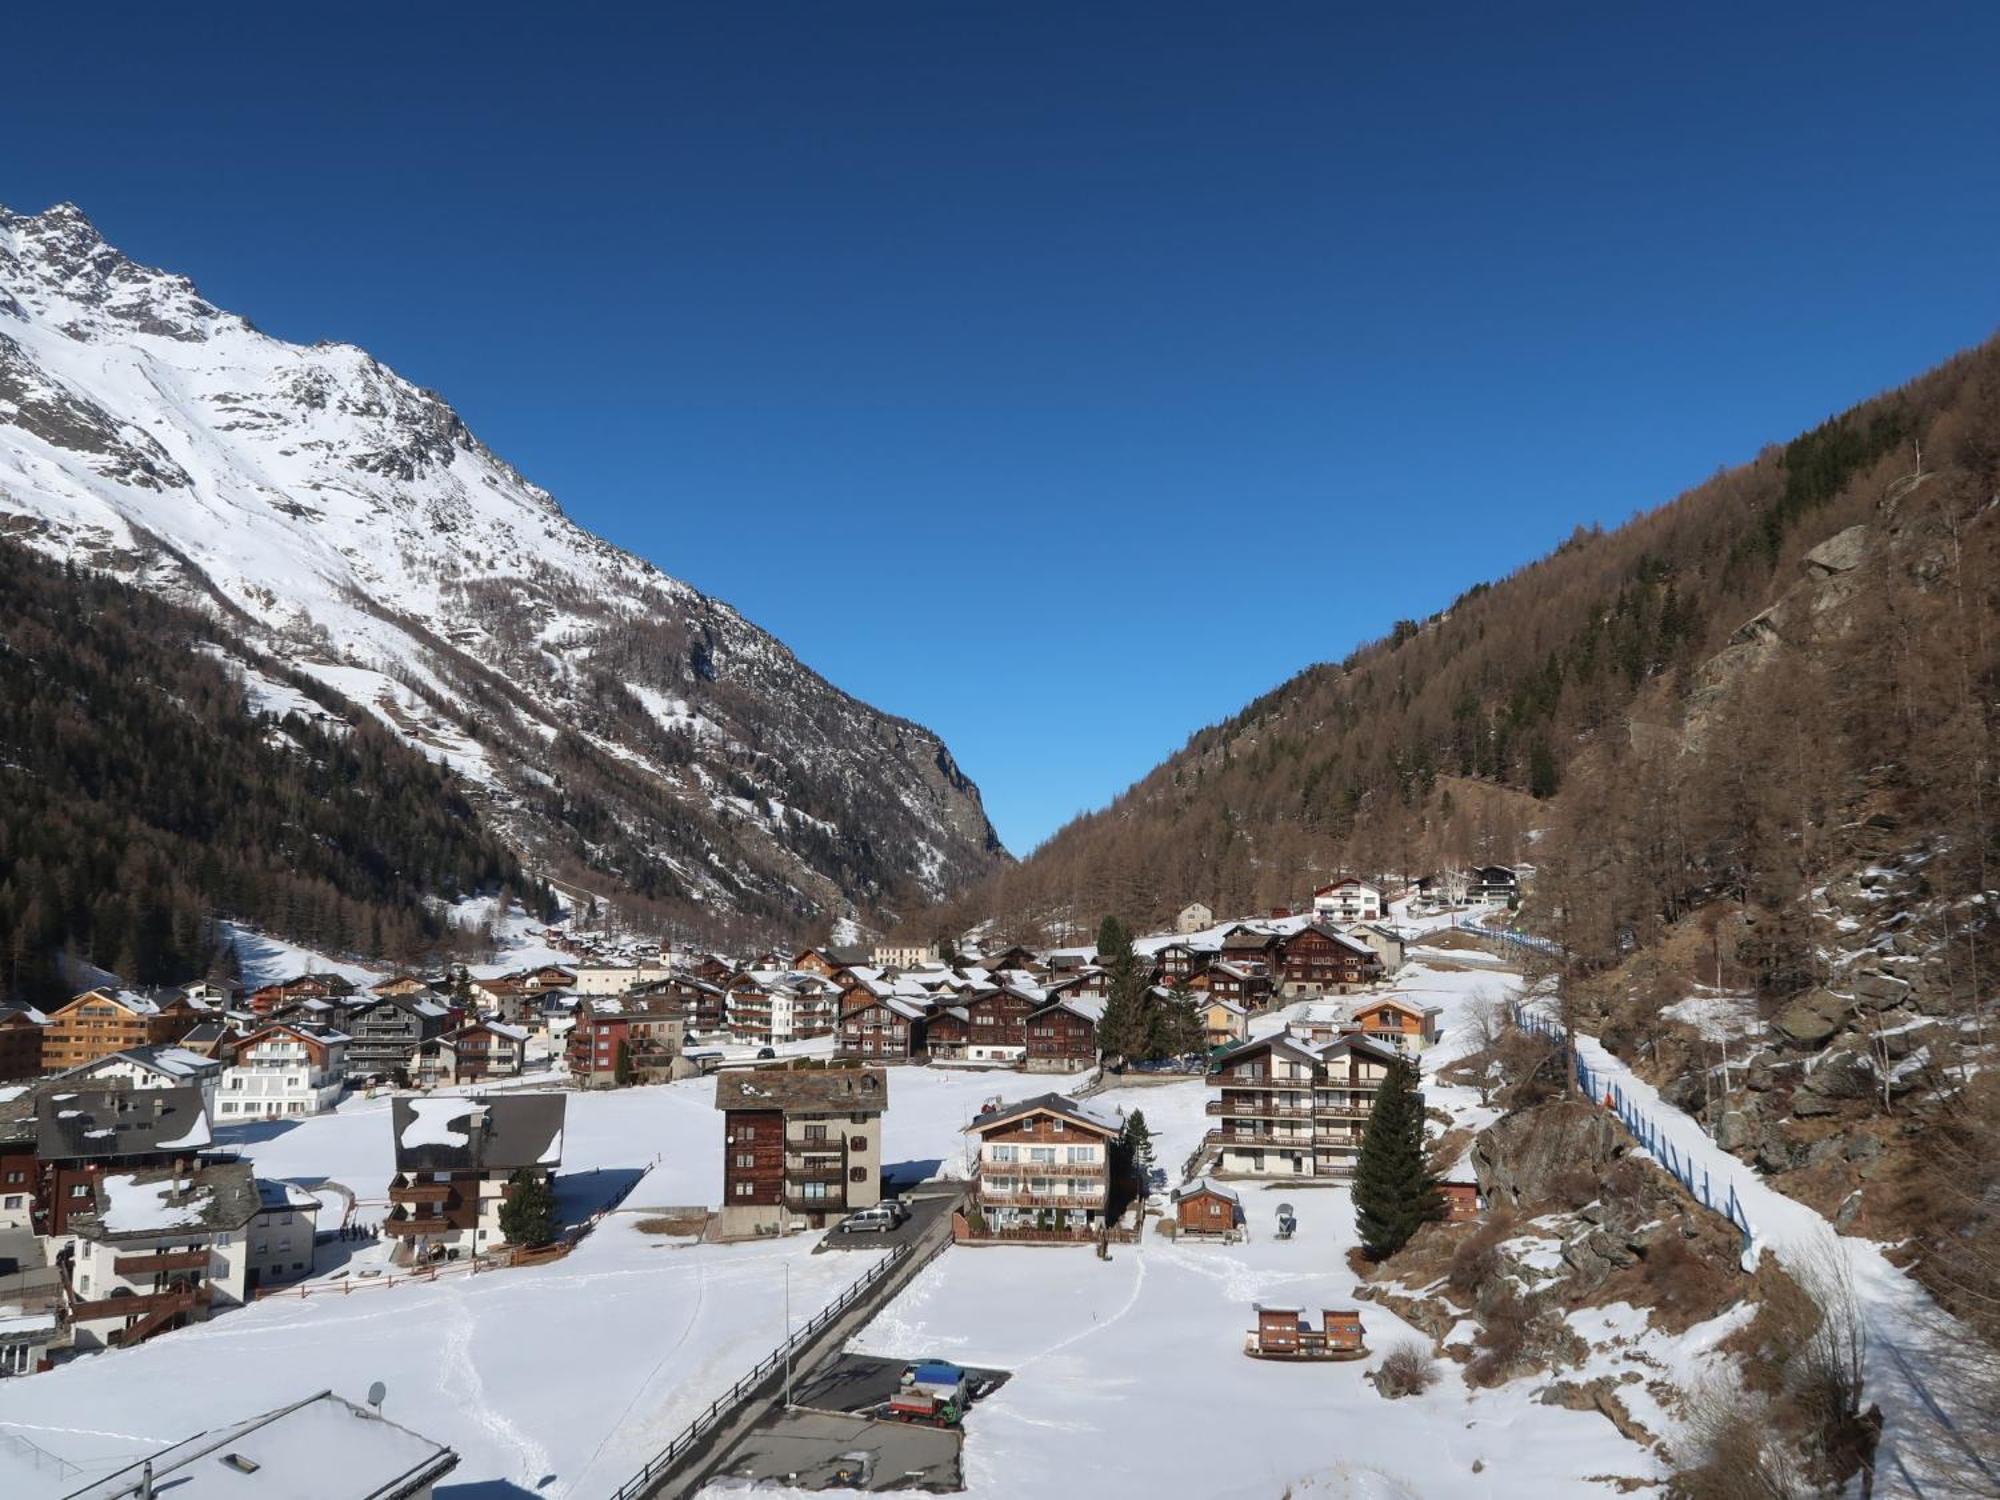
(1908, 1334)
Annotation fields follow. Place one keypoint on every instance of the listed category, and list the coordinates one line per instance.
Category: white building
(903, 955)
(161, 1247)
(1193, 918)
(1349, 900)
(286, 1069)
(156, 1067)
(617, 979)
(282, 1235)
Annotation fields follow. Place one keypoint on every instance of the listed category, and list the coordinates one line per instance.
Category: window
(79, 1190)
(14, 1200)
(746, 1159)
(1004, 1153)
(744, 1189)
(857, 1143)
(857, 1174)
(815, 1132)
(1083, 1154)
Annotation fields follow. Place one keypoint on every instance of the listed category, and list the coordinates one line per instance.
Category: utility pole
(788, 1335)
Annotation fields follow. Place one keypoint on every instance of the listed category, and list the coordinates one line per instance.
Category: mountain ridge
(628, 732)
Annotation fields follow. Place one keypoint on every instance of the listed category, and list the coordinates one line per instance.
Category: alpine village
(481, 1019)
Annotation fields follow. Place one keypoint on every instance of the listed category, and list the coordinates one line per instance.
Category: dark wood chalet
(1319, 961)
(1062, 1035)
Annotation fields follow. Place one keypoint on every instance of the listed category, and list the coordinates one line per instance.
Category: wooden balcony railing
(178, 1299)
(164, 1260)
(1249, 1107)
(992, 1197)
(421, 1192)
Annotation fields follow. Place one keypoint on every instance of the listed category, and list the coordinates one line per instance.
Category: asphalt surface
(856, 1382)
(814, 1450)
(927, 1203)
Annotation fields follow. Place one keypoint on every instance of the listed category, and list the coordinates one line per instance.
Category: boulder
(1880, 991)
(1812, 1021)
(1861, 1146)
(1842, 552)
(1734, 1131)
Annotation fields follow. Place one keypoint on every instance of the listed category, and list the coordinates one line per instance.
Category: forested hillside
(1455, 736)
(140, 797)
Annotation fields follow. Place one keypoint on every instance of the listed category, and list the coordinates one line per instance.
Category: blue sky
(1063, 376)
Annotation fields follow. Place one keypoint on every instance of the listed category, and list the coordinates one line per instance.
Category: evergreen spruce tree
(1138, 1142)
(1394, 1191)
(1125, 1029)
(528, 1217)
(1174, 1024)
(621, 1070)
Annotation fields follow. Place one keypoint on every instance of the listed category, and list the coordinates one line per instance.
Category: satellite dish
(375, 1394)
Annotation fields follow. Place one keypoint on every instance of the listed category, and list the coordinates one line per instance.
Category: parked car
(766, 1053)
(877, 1220)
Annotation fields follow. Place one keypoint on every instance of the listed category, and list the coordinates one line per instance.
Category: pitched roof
(497, 1134)
(1202, 1186)
(161, 1200)
(1090, 1117)
(78, 1124)
(854, 1090)
(163, 1059)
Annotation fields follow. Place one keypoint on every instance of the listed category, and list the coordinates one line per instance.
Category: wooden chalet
(1399, 1023)
(1286, 1333)
(1319, 960)
(1062, 1034)
(1045, 1169)
(21, 1029)
(1207, 1210)
(455, 1163)
(882, 1028)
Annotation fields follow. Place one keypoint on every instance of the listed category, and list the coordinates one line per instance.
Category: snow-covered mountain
(625, 729)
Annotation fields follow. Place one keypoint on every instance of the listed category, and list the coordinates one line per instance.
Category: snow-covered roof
(1094, 1116)
(322, 1448)
(496, 1134)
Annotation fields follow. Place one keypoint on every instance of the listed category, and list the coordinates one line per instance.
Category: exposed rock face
(1533, 1160)
(1842, 552)
(618, 725)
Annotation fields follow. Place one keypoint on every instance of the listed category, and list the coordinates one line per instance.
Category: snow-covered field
(559, 1379)
(1132, 1370)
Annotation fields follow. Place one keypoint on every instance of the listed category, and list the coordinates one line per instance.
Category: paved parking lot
(856, 1382)
(928, 1203)
(816, 1450)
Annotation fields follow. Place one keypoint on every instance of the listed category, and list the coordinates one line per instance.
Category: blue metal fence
(1690, 1173)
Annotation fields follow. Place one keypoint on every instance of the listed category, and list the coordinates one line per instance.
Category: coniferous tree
(1395, 1193)
(528, 1217)
(621, 1069)
(1124, 1031)
(1137, 1142)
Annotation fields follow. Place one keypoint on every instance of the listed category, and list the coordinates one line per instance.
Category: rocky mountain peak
(625, 730)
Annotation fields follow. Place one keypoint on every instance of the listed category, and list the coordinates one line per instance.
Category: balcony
(1300, 1142)
(175, 1300)
(1257, 1109)
(165, 1260)
(795, 1204)
(422, 1192)
(1045, 1168)
(1003, 1198)
(1343, 1111)
(833, 1173)
(1342, 1166)
(418, 1225)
